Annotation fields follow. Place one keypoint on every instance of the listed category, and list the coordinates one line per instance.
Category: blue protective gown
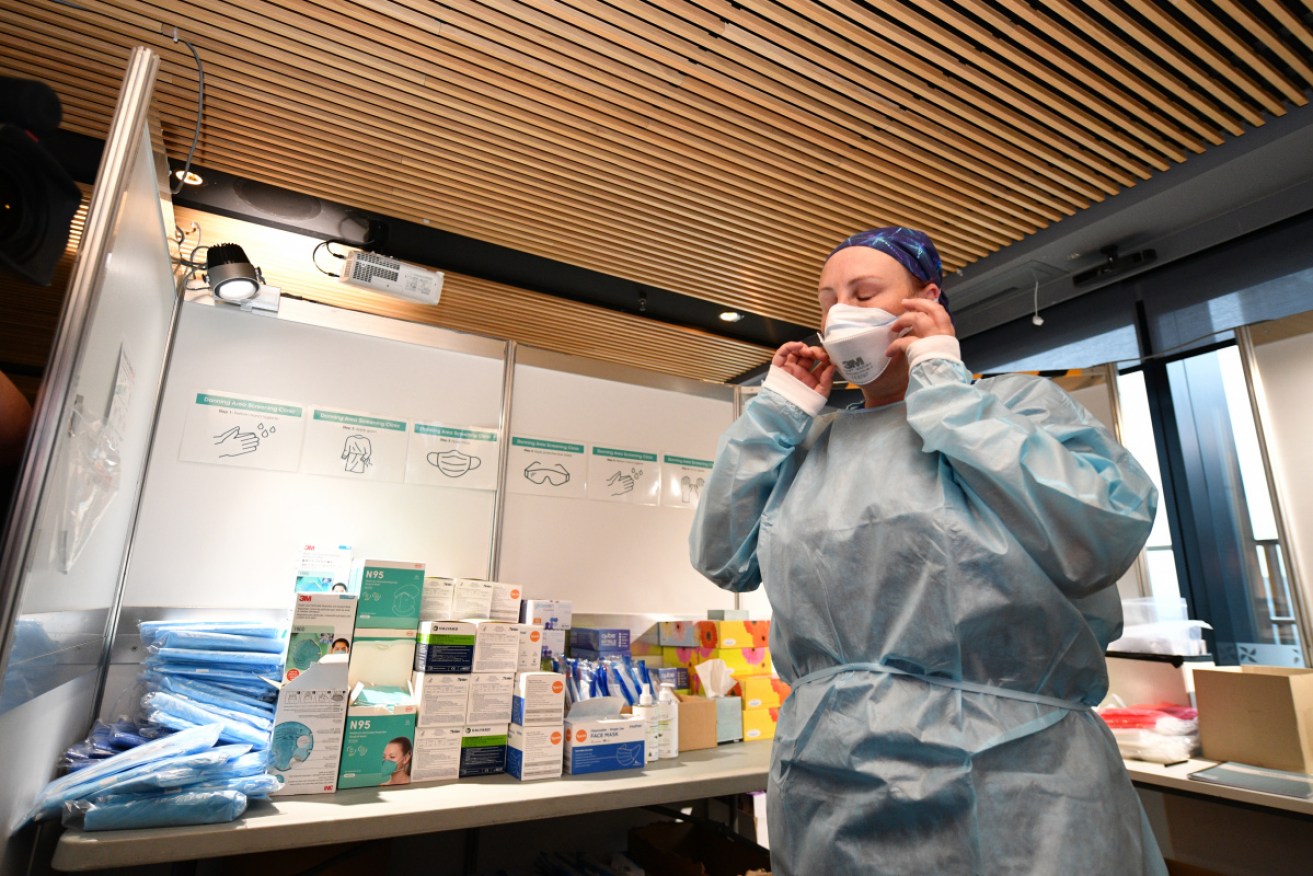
(942, 573)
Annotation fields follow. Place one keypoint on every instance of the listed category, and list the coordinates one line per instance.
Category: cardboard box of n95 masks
(308, 725)
(390, 593)
(322, 624)
(490, 698)
(483, 750)
(442, 698)
(378, 747)
(437, 754)
(438, 601)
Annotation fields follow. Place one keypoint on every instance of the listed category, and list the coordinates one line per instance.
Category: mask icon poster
(620, 475)
(225, 428)
(682, 480)
(450, 456)
(547, 467)
(355, 445)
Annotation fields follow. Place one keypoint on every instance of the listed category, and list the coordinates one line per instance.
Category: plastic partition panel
(608, 556)
(216, 535)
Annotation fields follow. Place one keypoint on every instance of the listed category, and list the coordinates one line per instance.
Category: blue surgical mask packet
(217, 641)
(169, 810)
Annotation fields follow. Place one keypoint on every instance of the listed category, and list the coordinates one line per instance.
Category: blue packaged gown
(942, 574)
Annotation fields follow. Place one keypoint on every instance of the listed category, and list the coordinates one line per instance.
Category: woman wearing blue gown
(941, 564)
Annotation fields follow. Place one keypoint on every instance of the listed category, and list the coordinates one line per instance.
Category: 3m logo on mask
(854, 364)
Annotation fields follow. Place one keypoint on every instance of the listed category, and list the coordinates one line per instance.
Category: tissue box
(697, 722)
(1259, 715)
(729, 719)
(761, 691)
(723, 634)
(601, 745)
(390, 594)
(759, 724)
(738, 614)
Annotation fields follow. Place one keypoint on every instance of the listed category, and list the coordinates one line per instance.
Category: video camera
(38, 198)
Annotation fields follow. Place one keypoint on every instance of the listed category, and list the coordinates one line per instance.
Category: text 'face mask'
(856, 339)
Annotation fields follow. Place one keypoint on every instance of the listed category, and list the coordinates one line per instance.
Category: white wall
(1285, 368)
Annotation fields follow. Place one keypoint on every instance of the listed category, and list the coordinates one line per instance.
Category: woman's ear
(930, 291)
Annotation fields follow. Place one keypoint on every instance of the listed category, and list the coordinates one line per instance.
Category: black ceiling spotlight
(230, 273)
(1114, 265)
(38, 199)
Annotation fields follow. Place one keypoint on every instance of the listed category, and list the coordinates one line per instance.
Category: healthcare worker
(942, 565)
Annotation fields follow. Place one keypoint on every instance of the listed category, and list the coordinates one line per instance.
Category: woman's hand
(922, 318)
(811, 365)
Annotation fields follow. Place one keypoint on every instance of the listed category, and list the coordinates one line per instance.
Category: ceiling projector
(380, 273)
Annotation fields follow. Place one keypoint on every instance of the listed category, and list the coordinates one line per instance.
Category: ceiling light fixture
(230, 273)
(731, 315)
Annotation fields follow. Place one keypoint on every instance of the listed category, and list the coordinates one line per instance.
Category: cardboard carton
(1259, 715)
(697, 722)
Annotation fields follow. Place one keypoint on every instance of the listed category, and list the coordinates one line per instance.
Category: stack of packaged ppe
(201, 750)
(1158, 733)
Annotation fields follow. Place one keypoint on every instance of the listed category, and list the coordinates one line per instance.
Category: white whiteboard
(610, 557)
(220, 536)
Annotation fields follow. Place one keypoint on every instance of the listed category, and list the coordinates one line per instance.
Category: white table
(374, 813)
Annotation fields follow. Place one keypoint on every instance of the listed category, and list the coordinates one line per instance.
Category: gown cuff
(933, 347)
(794, 390)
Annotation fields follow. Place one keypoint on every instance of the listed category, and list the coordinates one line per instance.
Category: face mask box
(369, 731)
(539, 698)
(437, 754)
(381, 658)
(323, 568)
(550, 614)
(505, 602)
(322, 624)
(439, 599)
(445, 646)
(490, 698)
(308, 727)
(442, 698)
(390, 593)
(496, 646)
(592, 643)
(473, 599)
(603, 745)
(535, 752)
(483, 750)
(554, 643)
(531, 648)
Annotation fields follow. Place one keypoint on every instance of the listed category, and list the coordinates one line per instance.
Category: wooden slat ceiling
(715, 149)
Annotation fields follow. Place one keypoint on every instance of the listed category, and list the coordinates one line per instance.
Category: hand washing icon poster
(452, 456)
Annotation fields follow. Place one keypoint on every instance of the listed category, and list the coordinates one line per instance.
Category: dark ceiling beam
(240, 198)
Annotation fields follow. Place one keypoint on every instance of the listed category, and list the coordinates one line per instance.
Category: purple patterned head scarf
(912, 249)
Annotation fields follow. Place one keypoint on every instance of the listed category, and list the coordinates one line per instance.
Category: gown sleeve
(759, 451)
(1075, 499)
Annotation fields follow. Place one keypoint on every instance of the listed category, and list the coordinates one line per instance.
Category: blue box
(608, 642)
(603, 745)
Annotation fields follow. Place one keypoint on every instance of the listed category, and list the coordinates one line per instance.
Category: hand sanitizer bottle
(668, 721)
(647, 710)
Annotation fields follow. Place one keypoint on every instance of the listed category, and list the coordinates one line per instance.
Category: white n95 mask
(855, 339)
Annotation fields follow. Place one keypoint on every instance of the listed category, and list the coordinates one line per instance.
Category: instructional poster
(682, 480)
(227, 429)
(450, 456)
(547, 468)
(616, 475)
(355, 445)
